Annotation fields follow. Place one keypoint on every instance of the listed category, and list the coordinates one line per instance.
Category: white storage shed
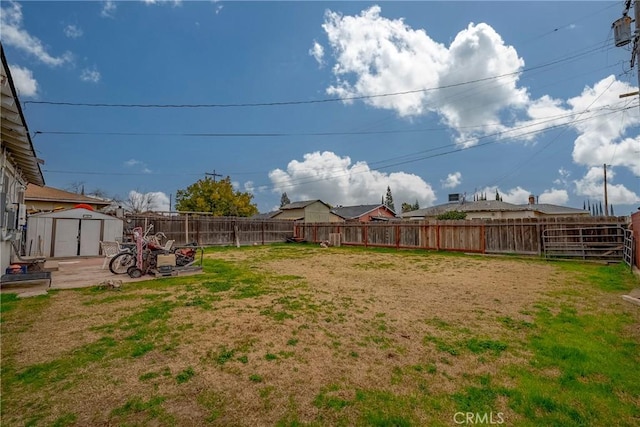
(70, 232)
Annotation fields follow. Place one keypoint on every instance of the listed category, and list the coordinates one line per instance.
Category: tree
(75, 187)
(284, 199)
(388, 200)
(99, 193)
(408, 207)
(138, 202)
(452, 215)
(219, 198)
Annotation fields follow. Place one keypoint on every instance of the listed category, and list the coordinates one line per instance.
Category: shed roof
(79, 213)
(14, 131)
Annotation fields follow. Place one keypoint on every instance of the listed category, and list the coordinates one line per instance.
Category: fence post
(366, 235)
(397, 227)
(186, 228)
(262, 223)
(437, 237)
(483, 240)
(539, 237)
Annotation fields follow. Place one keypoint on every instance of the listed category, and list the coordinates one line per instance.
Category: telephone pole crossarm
(214, 175)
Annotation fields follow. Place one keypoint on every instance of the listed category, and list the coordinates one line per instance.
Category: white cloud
(14, 35)
(592, 185)
(26, 85)
(600, 119)
(140, 165)
(335, 180)
(90, 75)
(375, 55)
(517, 195)
(452, 181)
(218, 9)
(317, 51)
(173, 2)
(563, 177)
(602, 140)
(108, 9)
(520, 196)
(554, 197)
(73, 31)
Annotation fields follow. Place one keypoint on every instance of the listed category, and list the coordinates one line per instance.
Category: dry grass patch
(290, 334)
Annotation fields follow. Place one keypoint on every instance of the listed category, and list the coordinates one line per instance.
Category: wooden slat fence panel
(206, 230)
(513, 236)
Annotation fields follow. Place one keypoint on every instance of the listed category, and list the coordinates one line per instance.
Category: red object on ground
(83, 206)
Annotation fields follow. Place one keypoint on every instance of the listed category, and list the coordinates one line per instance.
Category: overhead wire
(316, 101)
(385, 163)
(489, 81)
(413, 160)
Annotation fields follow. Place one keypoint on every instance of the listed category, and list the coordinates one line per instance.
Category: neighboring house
(47, 199)
(364, 213)
(307, 211)
(496, 209)
(19, 166)
(267, 215)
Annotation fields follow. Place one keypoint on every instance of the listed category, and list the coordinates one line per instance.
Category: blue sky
(522, 97)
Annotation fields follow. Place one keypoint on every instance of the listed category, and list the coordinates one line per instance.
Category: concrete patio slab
(70, 274)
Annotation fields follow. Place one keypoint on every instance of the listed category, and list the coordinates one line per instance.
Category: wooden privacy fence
(514, 236)
(208, 230)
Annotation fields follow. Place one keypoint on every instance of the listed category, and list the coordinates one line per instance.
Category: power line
(570, 24)
(541, 120)
(544, 147)
(383, 163)
(317, 101)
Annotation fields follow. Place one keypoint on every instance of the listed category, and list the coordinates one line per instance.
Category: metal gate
(627, 255)
(589, 243)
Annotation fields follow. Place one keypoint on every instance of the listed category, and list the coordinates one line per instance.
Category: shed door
(66, 243)
(90, 237)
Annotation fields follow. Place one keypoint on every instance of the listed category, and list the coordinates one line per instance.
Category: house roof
(14, 131)
(352, 212)
(549, 209)
(430, 211)
(266, 215)
(492, 206)
(302, 204)
(50, 194)
(488, 205)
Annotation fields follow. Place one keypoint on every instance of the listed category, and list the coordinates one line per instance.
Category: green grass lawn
(293, 335)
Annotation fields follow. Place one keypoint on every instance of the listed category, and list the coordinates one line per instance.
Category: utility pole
(623, 36)
(606, 199)
(214, 175)
(636, 43)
